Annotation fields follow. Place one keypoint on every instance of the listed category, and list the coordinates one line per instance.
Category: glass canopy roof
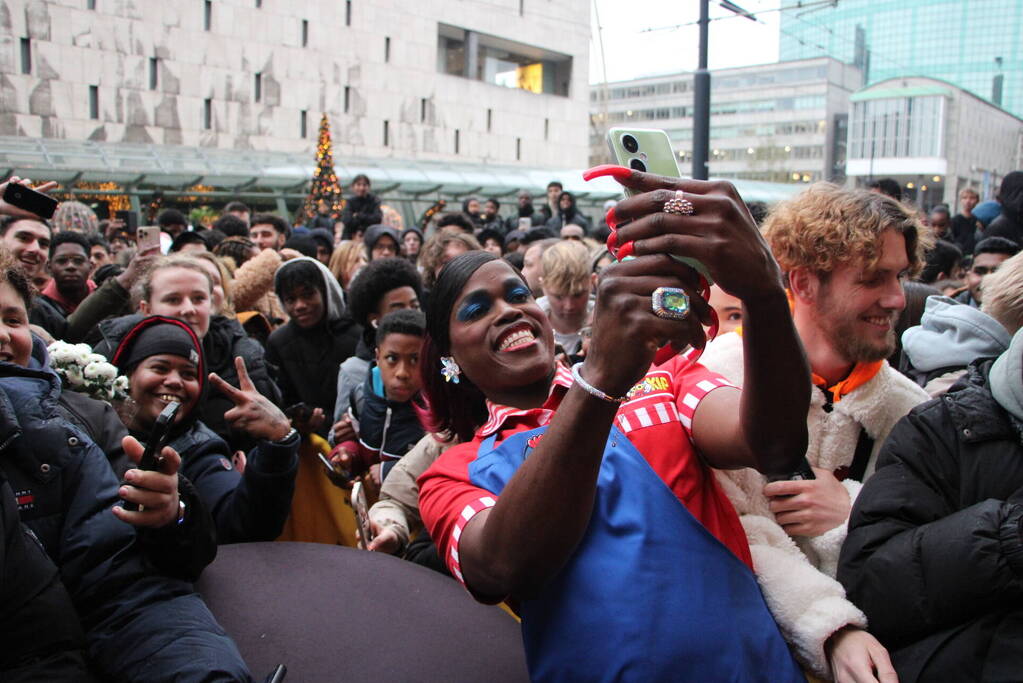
(249, 173)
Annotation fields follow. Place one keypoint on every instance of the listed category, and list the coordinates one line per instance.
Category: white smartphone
(649, 150)
(147, 237)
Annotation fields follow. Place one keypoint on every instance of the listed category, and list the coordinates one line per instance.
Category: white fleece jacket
(797, 576)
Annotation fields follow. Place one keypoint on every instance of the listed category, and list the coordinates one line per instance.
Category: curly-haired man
(845, 255)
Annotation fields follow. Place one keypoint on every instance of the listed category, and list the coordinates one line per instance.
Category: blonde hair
(227, 309)
(825, 226)
(968, 191)
(1003, 294)
(565, 268)
(344, 259)
(143, 291)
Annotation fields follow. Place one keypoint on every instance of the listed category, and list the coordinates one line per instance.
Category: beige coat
(797, 576)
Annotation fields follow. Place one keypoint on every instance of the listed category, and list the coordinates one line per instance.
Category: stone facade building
(461, 81)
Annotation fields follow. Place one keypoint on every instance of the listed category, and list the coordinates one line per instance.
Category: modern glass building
(973, 44)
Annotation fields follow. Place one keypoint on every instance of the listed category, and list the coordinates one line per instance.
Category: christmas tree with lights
(325, 184)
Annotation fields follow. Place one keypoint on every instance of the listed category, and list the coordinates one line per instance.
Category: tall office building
(781, 123)
(973, 44)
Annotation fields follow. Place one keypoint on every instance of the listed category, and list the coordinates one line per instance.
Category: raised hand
(720, 233)
(253, 413)
(10, 210)
(626, 333)
(155, 491)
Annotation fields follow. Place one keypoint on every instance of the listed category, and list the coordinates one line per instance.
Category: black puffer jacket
(246, 507)
(224, 341)
(42, 637)
(307, 361)
(139, 625)
(934, 555)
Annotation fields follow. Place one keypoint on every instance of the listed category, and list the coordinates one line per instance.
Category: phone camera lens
(630, 144)
(638, 165)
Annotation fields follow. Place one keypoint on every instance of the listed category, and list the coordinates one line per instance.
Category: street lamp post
(701, 100)
(701, 89)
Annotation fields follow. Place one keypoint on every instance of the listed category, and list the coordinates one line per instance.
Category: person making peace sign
(163, 360)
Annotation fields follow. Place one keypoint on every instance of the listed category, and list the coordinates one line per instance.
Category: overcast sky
(631, 51)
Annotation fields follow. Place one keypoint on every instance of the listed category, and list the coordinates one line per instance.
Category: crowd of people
(802, 457)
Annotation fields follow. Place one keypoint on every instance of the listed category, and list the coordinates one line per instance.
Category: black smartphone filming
(28, 199)
(155, 444)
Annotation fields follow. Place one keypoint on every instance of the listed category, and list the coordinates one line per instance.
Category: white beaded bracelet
(592, 390)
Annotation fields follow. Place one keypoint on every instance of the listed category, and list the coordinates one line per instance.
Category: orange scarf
(860, 375)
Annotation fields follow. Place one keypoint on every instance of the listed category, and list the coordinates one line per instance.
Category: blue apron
(650, 594)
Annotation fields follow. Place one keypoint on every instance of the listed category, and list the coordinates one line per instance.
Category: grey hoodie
(335, 295)
(1006, 378)
(952, 335)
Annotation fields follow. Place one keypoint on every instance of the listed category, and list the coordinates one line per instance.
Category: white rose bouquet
(86, 372)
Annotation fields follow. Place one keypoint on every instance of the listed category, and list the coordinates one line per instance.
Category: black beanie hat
(158, 334)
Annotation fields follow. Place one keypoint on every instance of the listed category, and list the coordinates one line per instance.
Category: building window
(546, 129)
(522, 8)
(154, 73)
(387, 49)
(26, 55)
(207, 114)
(259, 4)
(94, 102)
(305, 32)
(207, 15)
(501, 62)
(490, 119)
(458, 136)
(90, 4)
(303, 124)
(518, 149)
(348, 12)
(257, 87)
(422, 110)
(387, 133)
(348, 98)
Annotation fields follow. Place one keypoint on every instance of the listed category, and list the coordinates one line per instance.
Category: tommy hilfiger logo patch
(26, 500)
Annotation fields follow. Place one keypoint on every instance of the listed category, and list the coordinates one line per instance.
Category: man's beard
(852, 346)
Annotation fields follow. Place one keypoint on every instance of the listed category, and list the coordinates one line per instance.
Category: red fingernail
(611, 219)
(616, 172)
(625, 251)
(612, 241)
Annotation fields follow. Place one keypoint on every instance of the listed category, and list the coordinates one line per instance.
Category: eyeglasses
(983, 270)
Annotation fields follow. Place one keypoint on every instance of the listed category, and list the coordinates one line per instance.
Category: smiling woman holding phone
(585, 496)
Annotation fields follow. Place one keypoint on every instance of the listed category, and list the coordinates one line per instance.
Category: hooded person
(567, 213)
(382, 241)
(164, 362)
(411, 242)
(307, 351)
(949, 337)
